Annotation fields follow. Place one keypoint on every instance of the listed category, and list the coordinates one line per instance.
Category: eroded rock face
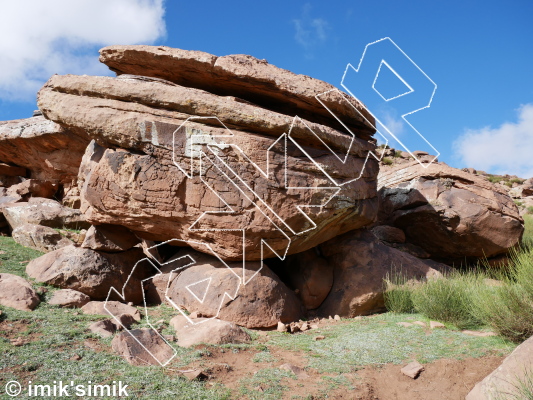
(17, 292)
(360, 263)
(139, 184)
(451, 214)
(91, 272)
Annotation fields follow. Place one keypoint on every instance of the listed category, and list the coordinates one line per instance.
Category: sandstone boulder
(215, 290)
(208, 331)
(69, 298)
(41, 238)
(142, 347)
(451, 214)
(47, 150)
(104, 328)
(360, 263)
(44, 212)
(92, 272)
(505, 380)
(140, 175)
(16, 292)
(110, 238)
(113, 308)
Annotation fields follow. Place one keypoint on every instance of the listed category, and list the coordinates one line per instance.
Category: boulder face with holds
(152, 134)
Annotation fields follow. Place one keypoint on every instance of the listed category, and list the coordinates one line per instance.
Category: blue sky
(479, 53)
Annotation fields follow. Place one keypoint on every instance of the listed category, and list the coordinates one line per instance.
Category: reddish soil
(444, 379)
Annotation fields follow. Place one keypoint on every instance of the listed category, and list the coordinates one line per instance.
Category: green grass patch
(379, 340)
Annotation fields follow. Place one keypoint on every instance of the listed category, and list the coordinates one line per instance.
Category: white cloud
(310, 32)
(507, 149)
(40, 38)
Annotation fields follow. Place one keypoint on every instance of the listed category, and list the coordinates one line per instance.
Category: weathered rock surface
(17, 292)
(451, 214)
(360, 262)
(208, 331)
(137, 185)
(114, 308)
(505, 380)
(241, 76)
(47, 150)
(110, 238)
(209, 288)
(69, 298)
(153, 351)
(41, 238)
(44, 212)
(91, 272)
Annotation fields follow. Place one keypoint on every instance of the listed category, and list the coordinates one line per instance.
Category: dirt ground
(444, 379)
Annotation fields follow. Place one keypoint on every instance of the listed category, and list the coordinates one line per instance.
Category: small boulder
(261, 303)
(142, 347)
(16, 292)
(92, 272)
(103, 328)
(114, 308)
(69, 298)
(124, 321)
(44, 212)
(41, 238)
(208, 331)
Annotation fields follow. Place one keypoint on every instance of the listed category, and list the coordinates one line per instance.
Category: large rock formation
(451, 214)
(156, 171)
